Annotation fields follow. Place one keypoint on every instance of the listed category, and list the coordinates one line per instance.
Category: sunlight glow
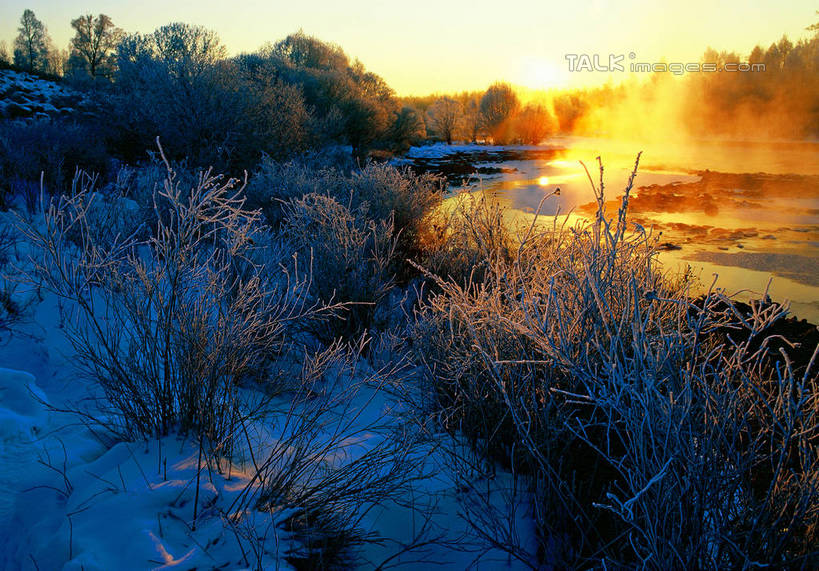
(537, 73)
(543, 181)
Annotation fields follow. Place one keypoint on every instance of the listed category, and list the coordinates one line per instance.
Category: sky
(428, 46)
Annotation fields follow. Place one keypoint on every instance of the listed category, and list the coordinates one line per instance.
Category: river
(745, 213)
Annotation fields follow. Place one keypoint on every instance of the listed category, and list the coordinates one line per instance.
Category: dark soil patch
(796, 337)
(460, 166)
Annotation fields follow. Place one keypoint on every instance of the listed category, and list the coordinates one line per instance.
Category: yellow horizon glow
(459, 45)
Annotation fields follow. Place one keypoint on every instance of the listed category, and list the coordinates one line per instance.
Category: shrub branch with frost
(170, 325)
(349, 256)
(653, 430)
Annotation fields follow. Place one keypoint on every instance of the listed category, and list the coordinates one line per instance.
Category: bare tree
(498, 105)
(471, 102)
(56, 61)
(533, 124)
(187, 50)
(95, 41)
(446, 118)
(31, 44)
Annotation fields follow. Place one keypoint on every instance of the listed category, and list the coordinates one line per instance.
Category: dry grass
(171, 324)
(326, 458)
(649, 435)
(349, 256)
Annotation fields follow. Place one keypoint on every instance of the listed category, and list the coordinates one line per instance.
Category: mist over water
(687, 154)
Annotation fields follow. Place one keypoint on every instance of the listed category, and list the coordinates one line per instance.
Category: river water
(743, 213)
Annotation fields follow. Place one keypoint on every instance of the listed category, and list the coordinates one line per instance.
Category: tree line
(325, 97)
(179, 83)
(300, 93)
(775, 97)
(496, 115)
(779, 100)
(90, 53)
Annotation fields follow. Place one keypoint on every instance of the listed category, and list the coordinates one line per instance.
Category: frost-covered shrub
(14, 304)
(386, 191)
(332, 460)
(274, 183)
(348, 255)
(177, 84)
(109, 215)
(136, 186)
(170, 325)
(125, 208)
(650, 430)
(381, 191)
(461, 240)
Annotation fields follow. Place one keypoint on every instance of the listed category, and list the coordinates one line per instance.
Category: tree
(570, 107)
(187, 50)
(95, 41)
(814, 27)
(777, 53)
(407, 129)
(371, 106)
(56, 61)
(471, 105)
(31, 44)
(347, 102)
(170, 83)
(364, 122)
(4, 54)
(498, 106)
(215, 112)
(134, 53)
(757, 54)
(533, 124)
(446, 118)
(301, 50)
(272, 118)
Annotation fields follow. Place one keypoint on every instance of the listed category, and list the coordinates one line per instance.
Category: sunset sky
(426, 46)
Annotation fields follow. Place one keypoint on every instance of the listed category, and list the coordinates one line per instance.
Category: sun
(540, 74)
(543, 181)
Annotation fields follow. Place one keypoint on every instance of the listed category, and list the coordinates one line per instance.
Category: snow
(22, 405)
(25, 95)
(442, 150)
(153, 510)
(125, 509)
(71, 497)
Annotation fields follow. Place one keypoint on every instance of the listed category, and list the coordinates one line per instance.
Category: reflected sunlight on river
(745, 228)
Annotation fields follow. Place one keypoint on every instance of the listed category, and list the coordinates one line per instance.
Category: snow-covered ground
(441, 150)
(71, 497)
(23, 95)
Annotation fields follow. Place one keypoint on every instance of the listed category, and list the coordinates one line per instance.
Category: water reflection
(744, 227)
